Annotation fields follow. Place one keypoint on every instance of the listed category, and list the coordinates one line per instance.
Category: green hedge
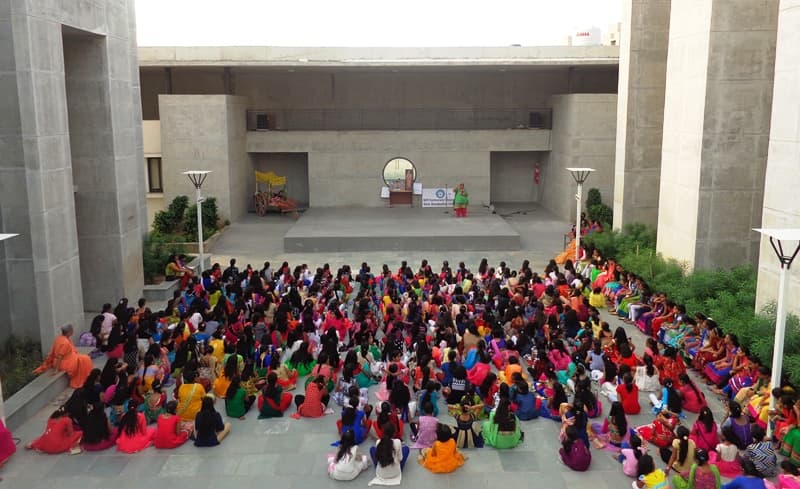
(727, 296)
(18, 358)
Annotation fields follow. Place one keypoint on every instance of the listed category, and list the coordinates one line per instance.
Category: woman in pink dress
(704, 431)
(134, 435)
(790, 478)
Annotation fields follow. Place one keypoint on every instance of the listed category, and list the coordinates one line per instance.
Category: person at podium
(460, 201)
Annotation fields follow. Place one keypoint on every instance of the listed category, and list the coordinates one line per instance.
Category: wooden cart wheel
(260, 203)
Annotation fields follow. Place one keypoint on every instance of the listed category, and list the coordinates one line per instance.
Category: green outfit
(492, 435)
(679, 482)
(235, 407)
(461, 199)
(267, 411)
(303, 369)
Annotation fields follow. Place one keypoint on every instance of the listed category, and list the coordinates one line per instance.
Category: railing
(397, 119)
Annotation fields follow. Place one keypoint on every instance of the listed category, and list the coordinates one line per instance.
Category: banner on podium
(437, 197)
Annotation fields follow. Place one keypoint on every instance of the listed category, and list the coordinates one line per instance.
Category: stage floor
(398, 229)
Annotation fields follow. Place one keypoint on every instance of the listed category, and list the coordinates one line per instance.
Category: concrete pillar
(640, 110)
(583, 135)
(717, 107)
(207, 132)
(781, 205)
(43, 101)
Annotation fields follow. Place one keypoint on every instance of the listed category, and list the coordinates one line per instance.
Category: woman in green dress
(460, 201)
(502, 428)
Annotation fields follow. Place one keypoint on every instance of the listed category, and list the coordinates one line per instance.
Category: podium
(401, 197)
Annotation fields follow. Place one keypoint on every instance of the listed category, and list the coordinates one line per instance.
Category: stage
(398, 229)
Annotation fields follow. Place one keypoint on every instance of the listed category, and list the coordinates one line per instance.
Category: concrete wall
(151, 138)
(206, 132)
(48, 111)
(781, 206)
(640, 110)
(718, 103)
(584, 132)
(345, 167)
(294, 166)
(382, 89)
(511, 176)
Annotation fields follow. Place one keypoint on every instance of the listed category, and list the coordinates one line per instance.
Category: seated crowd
(439, 361)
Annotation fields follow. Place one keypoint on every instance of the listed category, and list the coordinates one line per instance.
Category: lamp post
(776, 239)
(197, 177)
(579, 175)
(4, 237)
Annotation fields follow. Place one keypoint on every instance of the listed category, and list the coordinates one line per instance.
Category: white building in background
(589, 36)
(611, 36)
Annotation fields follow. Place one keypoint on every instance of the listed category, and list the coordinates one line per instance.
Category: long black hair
(617, 414)
(384, 451)
(231, 368)
(674, 400)
(706, 417)
(503, 417)
(682, 433)
(95, 428)
(347, 442)
(271, 389)
(129, 424)
(235, 385)
(206, 422)
(383, 415)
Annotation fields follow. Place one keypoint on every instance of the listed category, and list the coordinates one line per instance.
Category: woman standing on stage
(460, 201)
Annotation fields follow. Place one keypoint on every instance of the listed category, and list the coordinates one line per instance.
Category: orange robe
(64, 354)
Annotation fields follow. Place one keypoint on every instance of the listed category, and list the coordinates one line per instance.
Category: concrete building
(71, 179)
(330, 118)
(707, 129)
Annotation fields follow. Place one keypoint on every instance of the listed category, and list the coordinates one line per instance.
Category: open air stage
(398, 229)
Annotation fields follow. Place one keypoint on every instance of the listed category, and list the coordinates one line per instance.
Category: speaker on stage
(262, 122)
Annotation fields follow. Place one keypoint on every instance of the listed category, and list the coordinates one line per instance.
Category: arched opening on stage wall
(293, 166)
(513, 176)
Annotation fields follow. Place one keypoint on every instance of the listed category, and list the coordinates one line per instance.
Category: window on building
(154, 184)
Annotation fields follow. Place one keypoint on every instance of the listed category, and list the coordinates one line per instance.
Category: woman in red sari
(785, 417)
(64, 357)
(711, 352)
(59, 436)
(670, 365)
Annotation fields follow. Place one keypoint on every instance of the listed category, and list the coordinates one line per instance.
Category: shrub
(170, 220)
(593, 198)
(602, 213)
(18, 358)
(210, 218)
(156, 250)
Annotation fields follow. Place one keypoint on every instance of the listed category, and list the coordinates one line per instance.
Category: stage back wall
(344, 167)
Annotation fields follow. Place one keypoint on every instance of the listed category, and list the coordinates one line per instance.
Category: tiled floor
(291, 454)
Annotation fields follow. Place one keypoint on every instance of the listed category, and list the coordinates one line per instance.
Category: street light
(579, 175)
(776, 239)
(4, 237)
(197, 177)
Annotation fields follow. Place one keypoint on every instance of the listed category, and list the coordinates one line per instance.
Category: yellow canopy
(270, 178)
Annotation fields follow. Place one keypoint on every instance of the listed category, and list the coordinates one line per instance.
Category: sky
(380, 23)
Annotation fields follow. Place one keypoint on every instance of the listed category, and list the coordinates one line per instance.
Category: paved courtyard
(288, 453)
